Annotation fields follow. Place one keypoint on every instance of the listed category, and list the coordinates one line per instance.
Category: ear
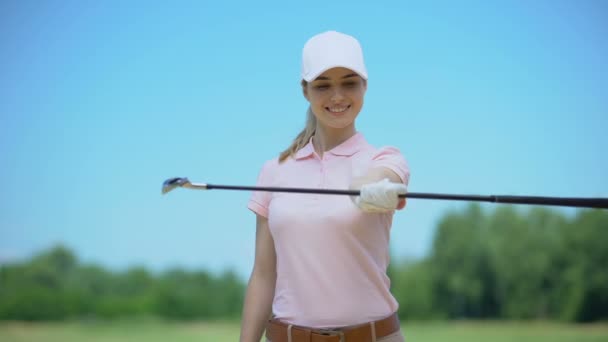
(305, 90)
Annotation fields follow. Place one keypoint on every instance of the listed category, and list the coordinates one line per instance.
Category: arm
(375, 175)
(257, 307)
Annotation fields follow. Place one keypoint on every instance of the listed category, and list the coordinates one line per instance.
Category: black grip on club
(600, 203)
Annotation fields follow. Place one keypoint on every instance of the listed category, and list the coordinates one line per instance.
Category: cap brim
(311, 77)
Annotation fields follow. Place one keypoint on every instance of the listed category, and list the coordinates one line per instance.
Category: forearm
(257, 307)
(375, 175)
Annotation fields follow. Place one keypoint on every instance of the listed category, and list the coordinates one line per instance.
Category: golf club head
(173, 183)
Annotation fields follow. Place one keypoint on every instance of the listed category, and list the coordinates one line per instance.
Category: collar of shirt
(349, 147)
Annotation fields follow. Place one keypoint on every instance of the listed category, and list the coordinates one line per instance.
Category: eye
(351, 84)
(322, 87)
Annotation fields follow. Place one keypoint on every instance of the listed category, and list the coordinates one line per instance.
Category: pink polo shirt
(331, 256)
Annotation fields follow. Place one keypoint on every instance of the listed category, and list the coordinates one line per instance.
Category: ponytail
(303, 138)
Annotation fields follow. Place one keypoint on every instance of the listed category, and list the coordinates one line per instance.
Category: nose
(337, 95)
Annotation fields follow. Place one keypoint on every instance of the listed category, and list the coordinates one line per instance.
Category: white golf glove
(380, 197)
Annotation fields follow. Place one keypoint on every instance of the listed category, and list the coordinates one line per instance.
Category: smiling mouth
(337, 110)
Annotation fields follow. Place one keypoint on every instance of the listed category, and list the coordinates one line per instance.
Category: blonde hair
(304, 137)
(301, 139)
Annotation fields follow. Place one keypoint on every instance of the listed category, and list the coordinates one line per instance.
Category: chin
(338, 124)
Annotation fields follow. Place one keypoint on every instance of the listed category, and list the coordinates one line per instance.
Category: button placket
(319, 176)
(323, 170)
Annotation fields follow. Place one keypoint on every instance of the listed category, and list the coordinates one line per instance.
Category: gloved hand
(380, 197)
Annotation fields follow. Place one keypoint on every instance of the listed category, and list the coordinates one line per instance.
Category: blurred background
(100, 102)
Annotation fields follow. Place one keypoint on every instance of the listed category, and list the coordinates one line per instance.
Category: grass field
(153, 330)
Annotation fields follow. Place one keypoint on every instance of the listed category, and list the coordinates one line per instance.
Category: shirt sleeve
(260, 200)
(391, 158)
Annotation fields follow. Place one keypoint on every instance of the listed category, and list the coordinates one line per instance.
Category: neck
(326, 138)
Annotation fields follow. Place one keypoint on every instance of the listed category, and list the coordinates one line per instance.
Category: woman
(320, 261)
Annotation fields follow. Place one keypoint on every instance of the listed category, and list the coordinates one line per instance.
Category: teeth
(337, 109)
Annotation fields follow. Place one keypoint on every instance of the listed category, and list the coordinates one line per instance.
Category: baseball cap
(331, 49)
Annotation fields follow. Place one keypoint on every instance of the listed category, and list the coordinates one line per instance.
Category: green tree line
(54, 286)
(510, 264)
(496, 264)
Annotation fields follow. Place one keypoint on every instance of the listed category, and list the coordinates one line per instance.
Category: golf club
(601, 203)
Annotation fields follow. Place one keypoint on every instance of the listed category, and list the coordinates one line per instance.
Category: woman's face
(336, 97)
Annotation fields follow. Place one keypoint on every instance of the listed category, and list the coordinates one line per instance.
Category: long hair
(301, 139)
(304, 137)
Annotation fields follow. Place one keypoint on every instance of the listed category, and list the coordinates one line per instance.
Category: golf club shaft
(601, 203)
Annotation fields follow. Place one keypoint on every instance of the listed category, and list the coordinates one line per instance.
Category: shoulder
(360, 142)
(270, 165)
(390, 157)
(382, 152)
(387, 152)
(273, 166)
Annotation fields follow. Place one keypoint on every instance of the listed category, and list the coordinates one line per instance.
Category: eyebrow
(323, 78)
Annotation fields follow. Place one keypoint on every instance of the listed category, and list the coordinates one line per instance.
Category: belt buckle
(331, 332)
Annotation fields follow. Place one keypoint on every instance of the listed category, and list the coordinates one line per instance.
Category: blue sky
(101, 102)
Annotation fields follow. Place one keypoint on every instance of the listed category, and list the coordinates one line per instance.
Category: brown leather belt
(277, 331)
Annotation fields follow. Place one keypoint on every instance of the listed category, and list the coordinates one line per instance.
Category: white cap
(331, 49)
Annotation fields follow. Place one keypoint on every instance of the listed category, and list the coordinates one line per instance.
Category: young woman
(320, 261)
